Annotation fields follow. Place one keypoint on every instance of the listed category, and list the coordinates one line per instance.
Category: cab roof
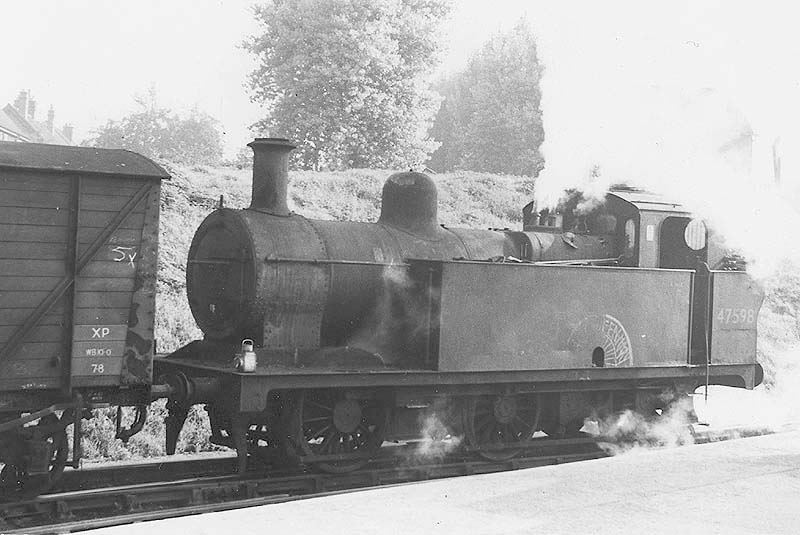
(83, 160)
(643, 200)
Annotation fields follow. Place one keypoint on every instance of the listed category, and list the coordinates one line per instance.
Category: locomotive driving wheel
(46, 440)
(262, 443)
(495, 424)
(329, 423)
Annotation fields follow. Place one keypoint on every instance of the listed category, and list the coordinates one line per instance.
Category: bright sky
(88, 57)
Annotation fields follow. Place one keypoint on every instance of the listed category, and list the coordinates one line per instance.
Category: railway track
(105, 475)
(98, 497)
(89, 508)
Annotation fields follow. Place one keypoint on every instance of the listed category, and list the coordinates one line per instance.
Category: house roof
(31, 130)
(10, 119)
(8, 125)
(54, 137)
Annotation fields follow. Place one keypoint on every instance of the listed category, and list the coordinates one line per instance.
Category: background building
(18, 123)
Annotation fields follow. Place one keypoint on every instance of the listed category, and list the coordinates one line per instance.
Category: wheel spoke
(316, 419)
(479, 418)
(509, 434)
(326, 443)
(524, 426)
(485, 430)
(362, 438)
(320, 406)
(321, 432)
(315, 430)
(520, 420)
(486, 433)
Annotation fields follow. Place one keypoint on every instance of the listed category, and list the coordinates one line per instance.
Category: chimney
(776, 160)
(271, 175)
(31, 109)
(51, 117)
(68, 130)
(21, 103)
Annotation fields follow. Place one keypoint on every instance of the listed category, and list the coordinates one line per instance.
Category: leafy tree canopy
(157, 132)
(491, 118)
(348, 79)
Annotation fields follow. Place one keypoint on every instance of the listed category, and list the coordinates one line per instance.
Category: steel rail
(85, 509)
(88, 509)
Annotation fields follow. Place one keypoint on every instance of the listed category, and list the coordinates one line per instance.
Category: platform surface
(742, 486)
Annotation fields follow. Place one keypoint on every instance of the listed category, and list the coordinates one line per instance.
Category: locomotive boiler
(324, 339)
(291, 283)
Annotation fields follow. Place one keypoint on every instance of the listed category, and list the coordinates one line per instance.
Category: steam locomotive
(323, 340)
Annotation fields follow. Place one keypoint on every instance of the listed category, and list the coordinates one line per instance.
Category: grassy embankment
(465, 199)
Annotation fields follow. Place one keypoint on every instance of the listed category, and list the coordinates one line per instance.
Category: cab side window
(629, 256)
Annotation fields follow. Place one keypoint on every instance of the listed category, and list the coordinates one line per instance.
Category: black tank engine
(591, 306)
(323, 340)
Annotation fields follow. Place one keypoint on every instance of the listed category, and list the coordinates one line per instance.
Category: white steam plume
(663, 97)
(687, 99)
(630, 430)
(437, 439)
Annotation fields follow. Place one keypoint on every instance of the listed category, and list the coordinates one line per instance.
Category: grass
(466, 199)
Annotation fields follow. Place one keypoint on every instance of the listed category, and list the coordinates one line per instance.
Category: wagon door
(113, 304)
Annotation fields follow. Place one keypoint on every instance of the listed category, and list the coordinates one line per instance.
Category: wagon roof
(644, 200)
(69, 159)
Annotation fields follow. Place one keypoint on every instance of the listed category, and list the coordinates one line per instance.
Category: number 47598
(736, 315)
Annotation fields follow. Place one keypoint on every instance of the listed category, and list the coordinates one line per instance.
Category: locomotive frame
(307, 290)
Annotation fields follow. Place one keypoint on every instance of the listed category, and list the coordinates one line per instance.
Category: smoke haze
(696, 101)
(630, 430)
(679, 99)
(436, 441)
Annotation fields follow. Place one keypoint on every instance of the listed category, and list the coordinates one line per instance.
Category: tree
(348, 79)
(157, 132)
(491, 118)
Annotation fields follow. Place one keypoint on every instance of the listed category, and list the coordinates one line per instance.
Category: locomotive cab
(642, 229)
(657, 233)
